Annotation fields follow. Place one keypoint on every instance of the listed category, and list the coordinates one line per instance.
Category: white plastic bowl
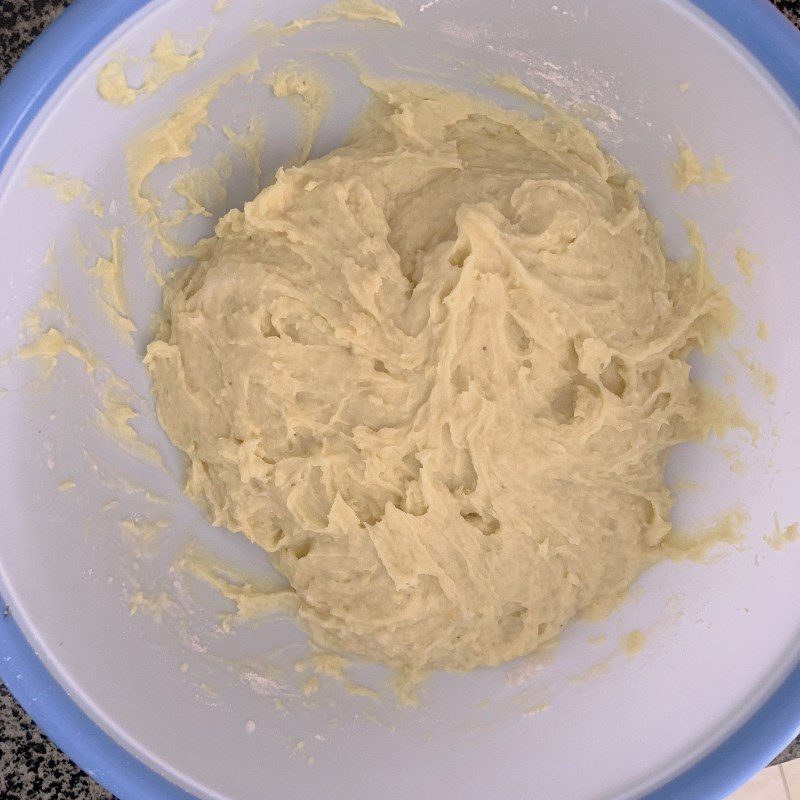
(151, 706)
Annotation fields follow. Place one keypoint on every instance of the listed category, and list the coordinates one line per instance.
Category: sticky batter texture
(436, 375)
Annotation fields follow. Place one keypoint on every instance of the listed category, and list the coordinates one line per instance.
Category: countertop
(31, 768)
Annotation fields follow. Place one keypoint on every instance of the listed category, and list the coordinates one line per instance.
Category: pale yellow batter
(436, 374)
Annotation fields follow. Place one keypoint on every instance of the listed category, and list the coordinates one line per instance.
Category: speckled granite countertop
(31, 768)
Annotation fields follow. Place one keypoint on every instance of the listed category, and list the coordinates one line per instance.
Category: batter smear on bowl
(436, 374)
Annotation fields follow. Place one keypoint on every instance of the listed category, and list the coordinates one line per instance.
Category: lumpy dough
(436, 375)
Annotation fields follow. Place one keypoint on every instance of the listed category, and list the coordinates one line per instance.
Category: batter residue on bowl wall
(688, 170)
(436, 374)
(167, 59)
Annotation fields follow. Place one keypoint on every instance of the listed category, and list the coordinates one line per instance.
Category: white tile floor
(774, 783)
(791, 775)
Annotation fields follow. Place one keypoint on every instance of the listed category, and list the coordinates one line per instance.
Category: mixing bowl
(135, 666)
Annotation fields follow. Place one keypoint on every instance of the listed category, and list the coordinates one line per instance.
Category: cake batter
(436, 375)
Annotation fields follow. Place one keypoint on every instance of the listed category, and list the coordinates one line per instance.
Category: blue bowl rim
(756, 24)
